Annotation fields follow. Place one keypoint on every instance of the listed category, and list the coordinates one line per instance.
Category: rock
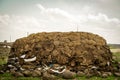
(88, 75)
(115, 69)
(50, 71)
(1, 71)
(27, 73)
(7, 71)
(36, 73)
(104, 75)
(68, 74)
(109, 73)
(12, 71)
(28, 66)
(117, 74)
(80, 73)
(18, 74)
(47, 76)
(98, 73)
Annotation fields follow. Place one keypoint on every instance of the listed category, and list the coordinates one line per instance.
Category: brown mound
(78, 51)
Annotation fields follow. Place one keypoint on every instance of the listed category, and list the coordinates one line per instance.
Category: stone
(47, 76)
(12, 71)
(98, 73)
(1, 71)
(88, 75)
(80, 73)
(36, 73)
(104, 75)
(27, 73)
(28, 66)
(68, 74)
(117, 74)
(109, 73)
(18, 74)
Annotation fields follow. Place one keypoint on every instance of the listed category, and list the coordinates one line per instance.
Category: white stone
(21, 68)
(56, 71)
(108, 63)
(14, 58)
(38, 68)
(10, 66)
(23, 56)
(30, 59)
(94, 67)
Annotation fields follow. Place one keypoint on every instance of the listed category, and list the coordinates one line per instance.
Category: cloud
(40, 7)
(102, 25)
(17, 26)
(4, 19)
(55, 13)
(58, 14)
(102, 17)
(56, 19)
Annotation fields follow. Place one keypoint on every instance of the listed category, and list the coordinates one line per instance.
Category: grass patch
(99, 78)
(28, 78)
(4, 52)
(8, 76)
(116, 56)
(3, 60)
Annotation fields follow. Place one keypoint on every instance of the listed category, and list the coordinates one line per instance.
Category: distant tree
(5, 41)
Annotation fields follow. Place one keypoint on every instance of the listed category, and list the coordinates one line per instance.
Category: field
(8, 76)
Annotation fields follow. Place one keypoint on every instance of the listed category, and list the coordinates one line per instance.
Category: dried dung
(76, 50)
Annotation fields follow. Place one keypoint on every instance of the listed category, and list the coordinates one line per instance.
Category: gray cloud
(58, 19)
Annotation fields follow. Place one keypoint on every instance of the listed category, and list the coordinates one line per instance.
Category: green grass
(8, 76)
(29, 78)
(99, 78)
(3, 60)
(4, 52)
(116, 56)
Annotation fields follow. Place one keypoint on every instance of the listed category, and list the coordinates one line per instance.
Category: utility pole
(10, 38)
(27, 33)
(77, 28)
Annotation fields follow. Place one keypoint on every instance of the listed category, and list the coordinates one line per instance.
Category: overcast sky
(17, 17)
